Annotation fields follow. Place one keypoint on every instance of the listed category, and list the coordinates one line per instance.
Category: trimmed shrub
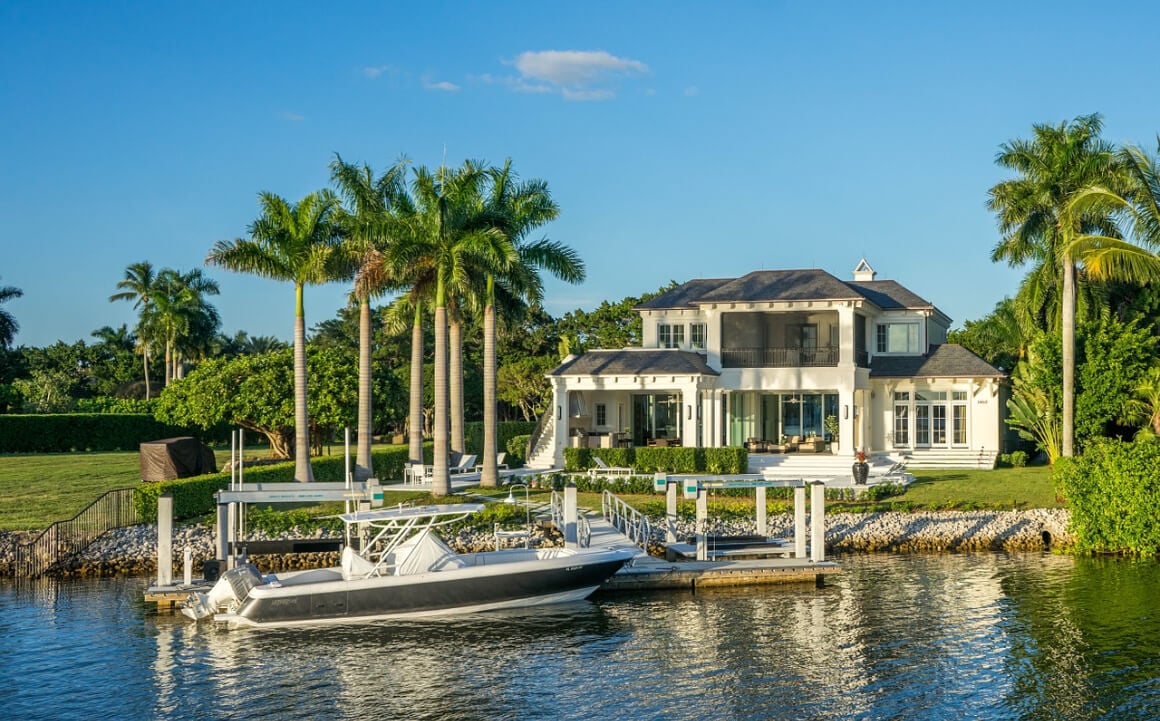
(728, 461)
(1113, 491)
(651, 459)
(516, 447)
(577, 459)
(66, 432)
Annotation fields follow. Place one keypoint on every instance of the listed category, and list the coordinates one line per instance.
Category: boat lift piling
(697, 488)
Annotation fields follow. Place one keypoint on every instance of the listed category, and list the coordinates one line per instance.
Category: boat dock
(756, 561)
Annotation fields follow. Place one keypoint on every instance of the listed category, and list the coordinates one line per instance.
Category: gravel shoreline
(133, 550)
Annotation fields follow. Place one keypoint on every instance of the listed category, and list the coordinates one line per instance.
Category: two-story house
(773, 355)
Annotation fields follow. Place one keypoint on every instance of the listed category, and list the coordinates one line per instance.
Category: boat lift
(697, 487)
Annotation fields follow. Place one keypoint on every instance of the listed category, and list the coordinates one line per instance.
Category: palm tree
(138, 286)
(445, 238)
(180, 311)
(1057, 163)
(296, 243)
(516, 209)
(366, 224)
(1143, 408)
(8, 324)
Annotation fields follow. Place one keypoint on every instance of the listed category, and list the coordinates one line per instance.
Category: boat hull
(477, 588)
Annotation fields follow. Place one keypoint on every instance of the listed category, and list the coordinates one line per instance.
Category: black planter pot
(861, 472)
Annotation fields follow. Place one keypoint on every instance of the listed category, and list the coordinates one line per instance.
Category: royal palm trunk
(441, 480)
(363, 467)
(303, 473)
(490, 473)
(1068, 312)
(455, 383)
(415, 429)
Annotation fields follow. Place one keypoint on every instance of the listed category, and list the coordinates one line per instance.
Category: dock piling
(165, 539)
(799, 522)
(817, 521)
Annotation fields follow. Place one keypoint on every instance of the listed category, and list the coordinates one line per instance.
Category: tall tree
(445, 237)
(179, 309)
(8, 324)
(296, 243)
(368, 229)
(138, 286)
(516, 209)
(1052, 167)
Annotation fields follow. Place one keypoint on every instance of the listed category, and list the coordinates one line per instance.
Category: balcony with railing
(780, 357)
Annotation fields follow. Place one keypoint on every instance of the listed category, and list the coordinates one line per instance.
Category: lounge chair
(603, 469)
(466, 464)
(500, 463)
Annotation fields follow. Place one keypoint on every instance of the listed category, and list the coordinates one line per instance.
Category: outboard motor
(230, 590)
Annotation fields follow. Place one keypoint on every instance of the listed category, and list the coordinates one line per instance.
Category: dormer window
(898, 338)
(670, 336)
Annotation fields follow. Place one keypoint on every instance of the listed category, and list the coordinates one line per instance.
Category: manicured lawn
(1028, 487)
(37, 489)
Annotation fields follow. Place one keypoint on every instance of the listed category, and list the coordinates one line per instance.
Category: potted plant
(831, 425)
(861, 468)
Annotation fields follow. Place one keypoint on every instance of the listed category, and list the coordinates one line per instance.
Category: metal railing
(65, 539)
(773, 357)
(583, 528)
(626, 519)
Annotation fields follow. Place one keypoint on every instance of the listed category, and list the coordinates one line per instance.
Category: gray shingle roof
(684, 295)
(889, 295)
(781, 285)
(948, 360)
(786, 285)
(635, 362)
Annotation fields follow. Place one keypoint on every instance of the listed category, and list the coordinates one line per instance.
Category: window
(601, 414)
(697, 336)
(898, 338)
(901, 419)
(670, 336)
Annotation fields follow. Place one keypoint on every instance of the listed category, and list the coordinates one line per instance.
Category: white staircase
(543, 453)
(935, 458)
(814, 465)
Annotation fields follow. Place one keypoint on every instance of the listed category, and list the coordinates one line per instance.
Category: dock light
(845, 411)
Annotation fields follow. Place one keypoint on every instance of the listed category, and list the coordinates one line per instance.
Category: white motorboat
(403, 569)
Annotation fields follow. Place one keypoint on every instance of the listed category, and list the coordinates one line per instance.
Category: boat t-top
(393, 565)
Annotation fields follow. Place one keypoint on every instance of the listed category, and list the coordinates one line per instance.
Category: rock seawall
(133, 551)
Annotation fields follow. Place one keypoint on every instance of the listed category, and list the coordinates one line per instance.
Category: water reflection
(894, 637)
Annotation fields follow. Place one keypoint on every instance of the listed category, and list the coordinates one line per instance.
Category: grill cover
(172, 458)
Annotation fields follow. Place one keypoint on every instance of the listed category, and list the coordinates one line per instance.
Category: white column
(571, 515)
(799, 522)
(846, 421)
(165, 539)
(702, 524)
(817, 521)
(761, 512)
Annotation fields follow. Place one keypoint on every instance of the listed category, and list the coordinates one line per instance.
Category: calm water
(895, 637)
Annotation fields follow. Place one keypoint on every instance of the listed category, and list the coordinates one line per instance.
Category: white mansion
(764, 360)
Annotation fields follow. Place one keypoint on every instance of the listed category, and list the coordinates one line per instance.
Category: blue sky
(681, 140)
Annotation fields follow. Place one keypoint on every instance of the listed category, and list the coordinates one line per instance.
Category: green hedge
(193, 497)
(652, 459)
(66, 432)
(1113, 492)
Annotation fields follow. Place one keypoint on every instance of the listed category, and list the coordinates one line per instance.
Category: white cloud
(375, 71)
(575, 74)
(293, 117)
(442, 85)
(691, 91)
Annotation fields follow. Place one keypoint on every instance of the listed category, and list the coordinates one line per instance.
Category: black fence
(63, 540)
